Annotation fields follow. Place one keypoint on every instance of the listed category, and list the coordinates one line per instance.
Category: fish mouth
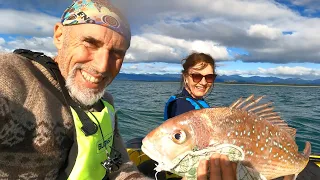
(149, 153)
(163, 163)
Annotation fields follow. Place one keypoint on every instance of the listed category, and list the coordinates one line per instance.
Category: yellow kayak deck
(315, 159)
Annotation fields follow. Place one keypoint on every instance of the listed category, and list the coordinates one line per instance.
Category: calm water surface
(140, 106)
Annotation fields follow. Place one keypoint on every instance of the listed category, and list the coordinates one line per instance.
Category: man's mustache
(90, 70)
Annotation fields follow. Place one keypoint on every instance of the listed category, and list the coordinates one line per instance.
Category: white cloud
(44, 45)
(153, 47)
(26, 23)
(253, 25)
(54, 7)
(2, 41)
(151, 68)
(211, 26)
(280, 71)
(149, 11)
(168, 30)
(263, 31)
(2, 46)
(143, 49)
(290, 71)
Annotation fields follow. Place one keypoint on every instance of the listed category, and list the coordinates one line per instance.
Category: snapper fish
(248, 132)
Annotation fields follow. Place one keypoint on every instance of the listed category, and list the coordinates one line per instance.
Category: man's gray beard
(84, 96)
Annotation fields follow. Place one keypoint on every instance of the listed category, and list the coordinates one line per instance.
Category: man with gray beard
(56, 121)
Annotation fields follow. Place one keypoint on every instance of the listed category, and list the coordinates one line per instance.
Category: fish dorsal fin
(264, 111)
(291, 131)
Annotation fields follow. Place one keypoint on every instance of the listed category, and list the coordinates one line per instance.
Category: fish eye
(179, 136)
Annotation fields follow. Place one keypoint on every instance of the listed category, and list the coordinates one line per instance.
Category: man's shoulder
(108, 97)
(15, 77)
(13, 60)
(16, 69)
(20, 64)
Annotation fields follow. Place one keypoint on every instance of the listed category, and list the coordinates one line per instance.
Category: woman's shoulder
(182, 102)
(179, 106)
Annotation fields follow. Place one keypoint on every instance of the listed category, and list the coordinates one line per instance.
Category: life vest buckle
(112, 164)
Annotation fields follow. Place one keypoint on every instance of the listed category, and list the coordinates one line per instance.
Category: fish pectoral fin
(290, 177)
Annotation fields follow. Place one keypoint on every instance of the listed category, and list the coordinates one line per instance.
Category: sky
(278, 38)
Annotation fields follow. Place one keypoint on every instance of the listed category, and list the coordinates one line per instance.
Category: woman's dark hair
(192, 60)
(196, 58)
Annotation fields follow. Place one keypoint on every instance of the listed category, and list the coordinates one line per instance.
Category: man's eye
(89, 44)
(117, 54)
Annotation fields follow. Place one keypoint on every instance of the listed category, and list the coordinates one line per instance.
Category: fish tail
(302, 162)
(307, 150)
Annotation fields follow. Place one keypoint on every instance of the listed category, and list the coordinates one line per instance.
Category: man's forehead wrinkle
(75, 33)
(106, 37)
(115, 41)
(94, 40)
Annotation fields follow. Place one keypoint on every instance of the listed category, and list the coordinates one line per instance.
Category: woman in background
(198, 76)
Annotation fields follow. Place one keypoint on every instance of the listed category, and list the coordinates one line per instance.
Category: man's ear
(58, 35)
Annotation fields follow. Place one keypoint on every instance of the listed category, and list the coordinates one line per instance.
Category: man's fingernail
(227, 162)
(217, 162)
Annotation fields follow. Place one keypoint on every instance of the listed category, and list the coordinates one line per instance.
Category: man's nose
(102, 61)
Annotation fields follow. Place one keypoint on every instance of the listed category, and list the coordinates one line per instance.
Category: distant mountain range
(235, 79)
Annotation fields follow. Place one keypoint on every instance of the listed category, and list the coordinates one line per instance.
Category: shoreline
(275, 85)
(238, 84)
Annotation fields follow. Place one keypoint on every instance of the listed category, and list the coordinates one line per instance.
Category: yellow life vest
(93, 149)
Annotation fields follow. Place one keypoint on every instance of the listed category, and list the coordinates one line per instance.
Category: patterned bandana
(100, 12)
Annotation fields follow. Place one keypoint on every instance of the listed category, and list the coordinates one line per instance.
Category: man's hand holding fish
(217, 168)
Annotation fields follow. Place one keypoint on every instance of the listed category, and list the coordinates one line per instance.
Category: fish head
(171, 139)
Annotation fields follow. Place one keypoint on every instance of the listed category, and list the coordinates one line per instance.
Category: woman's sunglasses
(198, 77)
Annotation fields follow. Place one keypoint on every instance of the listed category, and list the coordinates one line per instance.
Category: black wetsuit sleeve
(180, 106)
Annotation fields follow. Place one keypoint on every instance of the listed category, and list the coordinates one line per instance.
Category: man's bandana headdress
(100, 12)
